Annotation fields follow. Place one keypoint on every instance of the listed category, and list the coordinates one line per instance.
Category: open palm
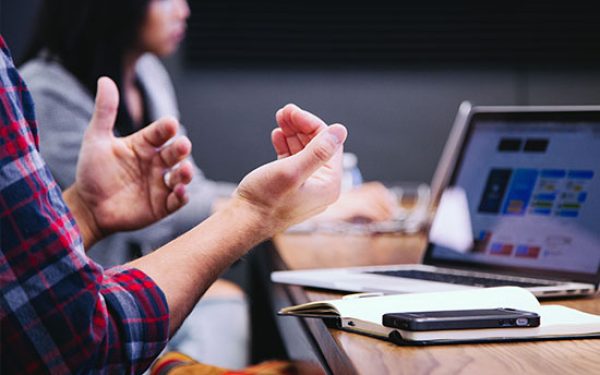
(122, 180)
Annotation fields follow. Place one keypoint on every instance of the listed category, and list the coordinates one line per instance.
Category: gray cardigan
(64, 108)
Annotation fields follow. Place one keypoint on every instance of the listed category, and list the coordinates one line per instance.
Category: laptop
(516, 197)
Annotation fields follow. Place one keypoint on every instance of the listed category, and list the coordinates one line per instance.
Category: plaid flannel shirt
(59, 311)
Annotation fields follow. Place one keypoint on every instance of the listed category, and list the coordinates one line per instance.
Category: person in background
(76, 42)
(60, 312)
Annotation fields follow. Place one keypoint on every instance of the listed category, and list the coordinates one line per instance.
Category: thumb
(106, 107)
(320, 150)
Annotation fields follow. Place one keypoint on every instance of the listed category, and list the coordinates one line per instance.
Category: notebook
(516, 197)
(364, 315)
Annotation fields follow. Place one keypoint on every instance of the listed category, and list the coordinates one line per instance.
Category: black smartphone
(461, 319)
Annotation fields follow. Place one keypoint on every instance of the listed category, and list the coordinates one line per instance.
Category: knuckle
(322, 151)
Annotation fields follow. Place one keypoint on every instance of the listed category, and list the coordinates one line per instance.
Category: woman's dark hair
(90, 39)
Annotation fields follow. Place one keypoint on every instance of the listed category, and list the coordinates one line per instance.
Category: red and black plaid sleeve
(59, 311)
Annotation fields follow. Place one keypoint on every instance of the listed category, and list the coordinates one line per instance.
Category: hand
(120, 182)
(371, 201)
(303, 182)
(305, 179)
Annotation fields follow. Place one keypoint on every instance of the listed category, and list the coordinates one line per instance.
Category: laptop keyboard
(485, 282)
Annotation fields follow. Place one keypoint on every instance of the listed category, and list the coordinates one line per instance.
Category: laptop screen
(532, 188)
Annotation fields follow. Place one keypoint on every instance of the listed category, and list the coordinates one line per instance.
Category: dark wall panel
(393, 32)
(16, 23)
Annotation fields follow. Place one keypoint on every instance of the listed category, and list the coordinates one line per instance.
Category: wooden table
(338, 352)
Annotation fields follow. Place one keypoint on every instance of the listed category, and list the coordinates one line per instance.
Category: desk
(339, 352)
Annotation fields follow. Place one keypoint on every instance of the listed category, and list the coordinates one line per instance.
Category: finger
(305, 122)
(294, 144)
(293, 120)
(320, 150)
(183, 174)
(177, 198)
(279, 143)
(299, 126)
(176, 151)
(283, 120)
(158, 133)
(304, 139)
(282, 117)
(106, 107)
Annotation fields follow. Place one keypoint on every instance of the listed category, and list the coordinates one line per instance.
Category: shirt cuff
(139, 313)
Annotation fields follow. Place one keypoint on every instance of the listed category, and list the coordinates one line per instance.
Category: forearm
(187, 266)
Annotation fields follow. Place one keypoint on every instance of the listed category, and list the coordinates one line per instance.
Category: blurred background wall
(393, 72)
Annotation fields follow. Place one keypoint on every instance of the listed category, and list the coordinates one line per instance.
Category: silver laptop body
(527, 182)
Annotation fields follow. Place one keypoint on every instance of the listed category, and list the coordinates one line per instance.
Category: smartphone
(461, 319)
